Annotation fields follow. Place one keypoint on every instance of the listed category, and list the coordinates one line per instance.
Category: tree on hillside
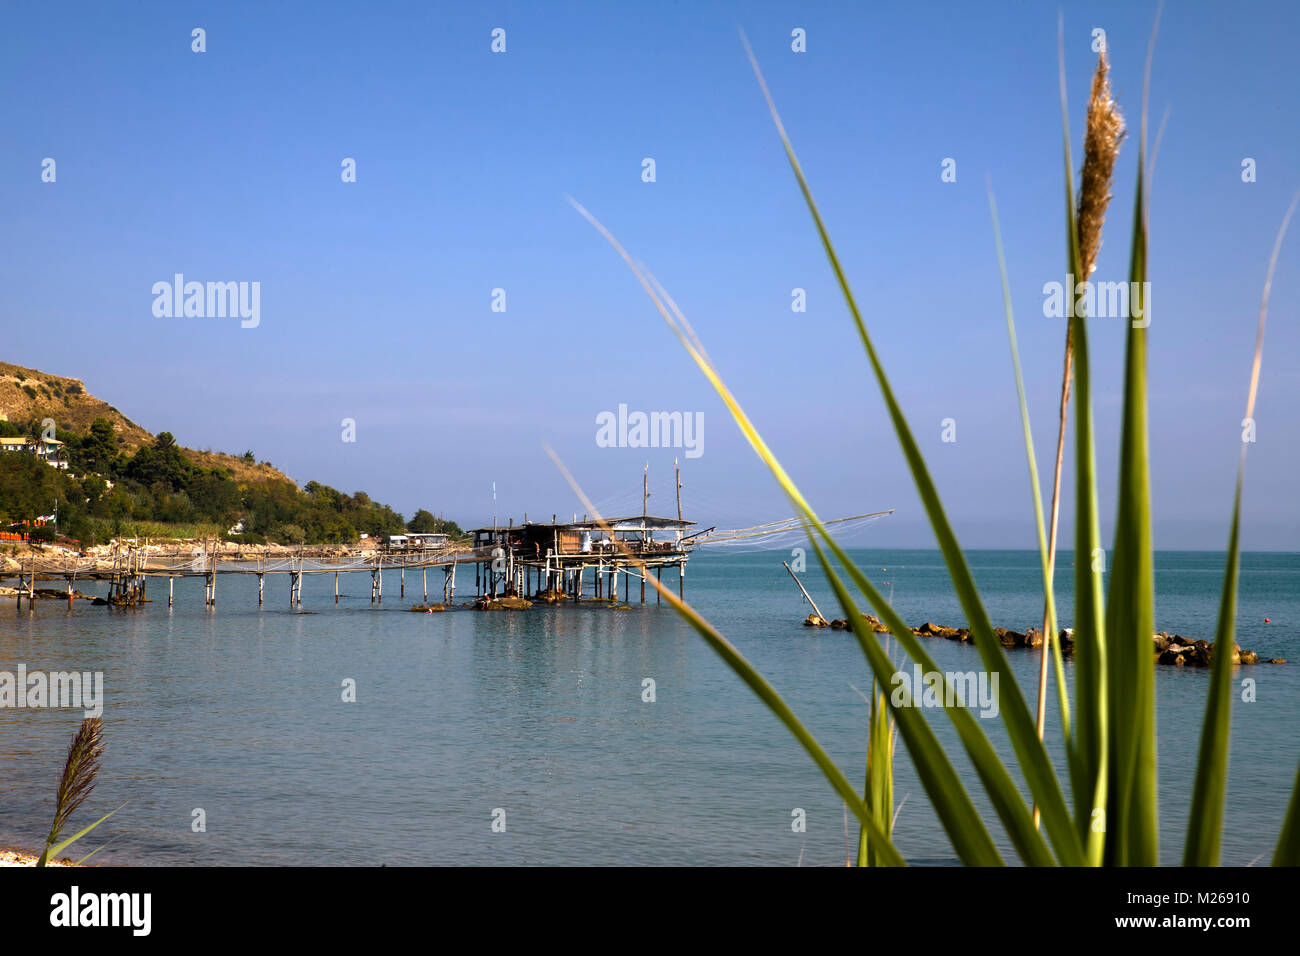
(97, 450)
(160, 463)
(423, 523)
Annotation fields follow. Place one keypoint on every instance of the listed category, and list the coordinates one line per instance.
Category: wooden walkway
(497, 571)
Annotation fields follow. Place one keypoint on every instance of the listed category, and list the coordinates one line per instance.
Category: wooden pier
(547, 562)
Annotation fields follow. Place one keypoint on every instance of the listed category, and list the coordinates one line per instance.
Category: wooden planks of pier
(551, 560)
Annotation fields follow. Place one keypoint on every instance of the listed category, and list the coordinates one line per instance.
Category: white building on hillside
(46, 449)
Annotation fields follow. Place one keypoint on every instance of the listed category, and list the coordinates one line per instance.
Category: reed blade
(1088, 759)
(1051, 639)
(1021, 730)
(1205, 822)
(951, 802)
(1130, 604)
(879, 787)
(1205, 825)
(765, 692)
(1132, 834)
(1288, 842)
(60, 847)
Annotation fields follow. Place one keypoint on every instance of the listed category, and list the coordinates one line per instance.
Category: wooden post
(403, 592)
(260, 582)
(801, 588)
(171, 589)
(643, 584)
(336, 587)
(659, 576)
(426, 585)
(681, 580)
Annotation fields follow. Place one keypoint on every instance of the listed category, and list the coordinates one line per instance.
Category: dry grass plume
(78, 780)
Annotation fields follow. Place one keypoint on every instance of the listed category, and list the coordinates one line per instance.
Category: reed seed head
(79, 773)
(1101, 140)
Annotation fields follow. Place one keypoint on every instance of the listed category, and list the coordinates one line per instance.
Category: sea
(364, 734)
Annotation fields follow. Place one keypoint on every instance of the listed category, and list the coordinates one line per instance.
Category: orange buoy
(1267, 621)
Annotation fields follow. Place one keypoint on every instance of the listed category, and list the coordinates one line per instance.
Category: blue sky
(376, 295)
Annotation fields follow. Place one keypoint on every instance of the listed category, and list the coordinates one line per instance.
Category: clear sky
(376, 295)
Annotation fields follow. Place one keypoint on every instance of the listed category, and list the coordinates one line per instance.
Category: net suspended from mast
(780, 534)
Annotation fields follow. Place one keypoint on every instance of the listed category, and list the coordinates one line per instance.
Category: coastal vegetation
(159, 490)
(1109, 728)
(76, 783)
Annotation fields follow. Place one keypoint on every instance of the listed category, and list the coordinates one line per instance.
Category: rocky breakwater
(1170, 649)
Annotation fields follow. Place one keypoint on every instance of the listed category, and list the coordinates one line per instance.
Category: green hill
(120, 479)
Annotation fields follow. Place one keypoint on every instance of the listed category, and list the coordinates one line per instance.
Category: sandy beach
(19, 858)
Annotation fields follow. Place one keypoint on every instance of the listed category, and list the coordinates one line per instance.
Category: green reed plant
(1110, 735)
(878, 792)
(80, 771)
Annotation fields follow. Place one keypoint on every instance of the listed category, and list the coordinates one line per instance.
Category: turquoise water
(540, 714)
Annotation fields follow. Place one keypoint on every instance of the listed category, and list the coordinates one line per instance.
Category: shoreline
(13, 857)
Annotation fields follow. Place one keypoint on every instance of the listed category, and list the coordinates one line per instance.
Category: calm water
(540, 713)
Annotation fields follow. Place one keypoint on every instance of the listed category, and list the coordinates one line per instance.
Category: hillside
(27, 394)
(119, 480)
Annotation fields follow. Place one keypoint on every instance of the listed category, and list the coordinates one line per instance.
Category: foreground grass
(1110, 732)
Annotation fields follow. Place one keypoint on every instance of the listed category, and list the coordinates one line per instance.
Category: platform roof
(633, 523)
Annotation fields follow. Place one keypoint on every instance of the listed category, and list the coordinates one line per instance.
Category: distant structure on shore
(47, 450)
(417, 541)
